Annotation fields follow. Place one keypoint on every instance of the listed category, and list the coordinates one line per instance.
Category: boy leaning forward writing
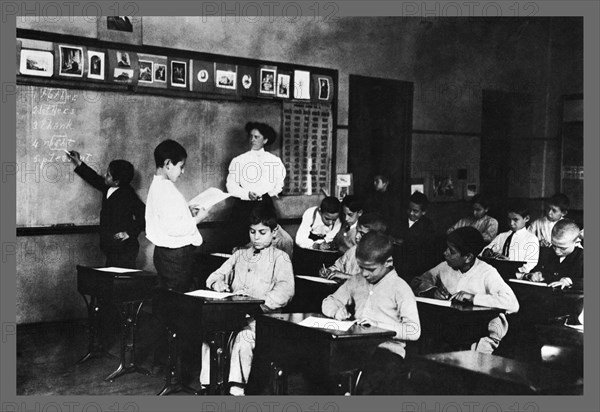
(378, 297)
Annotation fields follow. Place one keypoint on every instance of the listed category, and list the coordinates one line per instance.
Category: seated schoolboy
(417, 239)
(557, 209)
(262, 272)
(380, 298)
(465, 278)
(346, 266)
(281, 239)
(480, 220)
(320, 225)
(352, 209)
(122, 213)
(564, 268)
(518, 243)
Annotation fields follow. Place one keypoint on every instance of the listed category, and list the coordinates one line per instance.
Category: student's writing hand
(324, 272)
(441, 294)
(545, 243)
(122, 236)
(254, 196)
(535, 277)
(463, 296)
(340, 277)
(563, 283)
(221, 286)
(325, 246)
(75, 157)
(342, 314)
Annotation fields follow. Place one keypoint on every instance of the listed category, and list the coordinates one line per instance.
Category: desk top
(292, 320)
(453, 306)
(231, 300)
(118, 273)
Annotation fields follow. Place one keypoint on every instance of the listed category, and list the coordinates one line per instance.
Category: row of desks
(321, 353)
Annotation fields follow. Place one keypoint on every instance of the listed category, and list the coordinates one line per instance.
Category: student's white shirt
(542, 228)
(318, 228)
(524, 246)
(169, 222)
(255, 171)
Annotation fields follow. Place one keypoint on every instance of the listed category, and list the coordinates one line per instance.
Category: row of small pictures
(161, 71)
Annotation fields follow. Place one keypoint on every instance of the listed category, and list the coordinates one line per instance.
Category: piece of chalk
(67, 152)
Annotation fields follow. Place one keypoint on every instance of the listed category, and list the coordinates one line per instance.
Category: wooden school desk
(448, 326)
(193, 319)
(475, 373)
(283, 346)
(125, 289)
(506, 268)
(540, 304)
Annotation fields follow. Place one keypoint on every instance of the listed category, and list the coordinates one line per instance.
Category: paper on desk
(317, 279)
(528, 282)
(223, 255)
(327, 323)
(437, 302)
(211, 294)
(209, 198)
(117, 270)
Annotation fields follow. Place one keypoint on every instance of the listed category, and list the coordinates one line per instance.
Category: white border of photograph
(301, 84)
(184, 84)
(325, 79)
(270, 71)
(102, 56)
(156, 79)
(60, 65)
(229, 74)
(280, 78)
(119, 71)
(141, 63)
(41, 56)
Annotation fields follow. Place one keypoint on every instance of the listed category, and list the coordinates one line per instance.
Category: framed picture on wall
(267, 79)
(71, 61)
(36, 63)
(146, 73)
(96, 64)
(178, 73)
(323, 88)
(343, 185)
(283, 85)
(120, 29)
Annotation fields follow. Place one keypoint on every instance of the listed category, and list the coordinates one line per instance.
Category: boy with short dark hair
(122, 213)
(518, 243)
(319, 225)
(262, 272)
(557, 209)
(480, 220)
(380, 298)
(465, 278)
(564, 268)
(171, 225)
(346, 266)
(352, 209)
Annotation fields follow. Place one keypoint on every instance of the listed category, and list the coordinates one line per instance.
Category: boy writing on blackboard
(122, 213)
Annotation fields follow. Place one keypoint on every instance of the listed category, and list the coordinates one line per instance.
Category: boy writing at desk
(320, 225)
(465, 278)
(262, 272)
(378, 297)
(564, 267)
(122, 214)
(346, 266)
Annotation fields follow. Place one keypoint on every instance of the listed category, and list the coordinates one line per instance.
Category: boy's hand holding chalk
(74, 157)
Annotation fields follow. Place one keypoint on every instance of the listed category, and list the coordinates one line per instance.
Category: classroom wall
(449, 60)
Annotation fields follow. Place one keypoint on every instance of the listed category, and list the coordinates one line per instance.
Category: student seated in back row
(352, 209)
(564, 267)
(319, 225)
(378, 297)
(518, 243)
(346, 266)
(487, 225)
(262, 272)
(465, 278)
(557, 209)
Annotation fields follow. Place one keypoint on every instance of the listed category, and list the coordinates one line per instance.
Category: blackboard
(107, 125)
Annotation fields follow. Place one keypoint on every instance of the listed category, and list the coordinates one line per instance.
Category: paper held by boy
(209, 198)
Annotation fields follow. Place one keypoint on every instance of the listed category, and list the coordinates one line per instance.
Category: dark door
(379, 135)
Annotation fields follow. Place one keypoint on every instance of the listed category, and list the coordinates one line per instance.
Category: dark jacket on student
(123, 211)
(553, 269)
(419, 251)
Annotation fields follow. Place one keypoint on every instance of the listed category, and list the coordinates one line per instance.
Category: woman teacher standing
(254, 177)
